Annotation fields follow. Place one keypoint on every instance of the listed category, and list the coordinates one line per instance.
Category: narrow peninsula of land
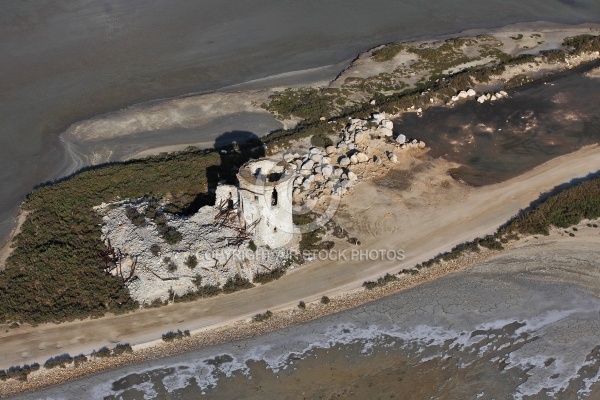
(110, 259)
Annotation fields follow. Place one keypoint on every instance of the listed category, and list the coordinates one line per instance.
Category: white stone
(338, 172)
(353, 159)
(344, 161)
(503, 93)
(481, 99)
(317, 158)
(315, 150)
(493, 97)
(378, 117)
(386, 123)
(352, 176)
(383, 131)
(362, 157)
(454, 98)
(393, 158)
(471, 93)
(306, 184)
(421, 144)
(326, 160)
(330, 150)
(401, 139)
(308, 164)
(360, 137)
(327, 170)
(462, 94)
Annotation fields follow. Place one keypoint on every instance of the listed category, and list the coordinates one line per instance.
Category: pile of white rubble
(158, 275)
(334, 170)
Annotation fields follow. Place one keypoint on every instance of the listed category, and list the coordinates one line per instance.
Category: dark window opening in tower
(230, 204)
(274, 198)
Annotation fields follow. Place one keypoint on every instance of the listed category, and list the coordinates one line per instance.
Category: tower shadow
(235, 148)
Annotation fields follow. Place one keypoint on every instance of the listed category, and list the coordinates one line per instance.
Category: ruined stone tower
(265, 201)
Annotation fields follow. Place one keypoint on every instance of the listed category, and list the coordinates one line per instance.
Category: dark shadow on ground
(235, 148)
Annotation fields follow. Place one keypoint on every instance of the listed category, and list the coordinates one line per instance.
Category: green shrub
(135, 217)
(306, 103)
(175, 335)
(236, 283)
(122, 348)
(321, 141)
(302, 305)
(191, 261)
(387, 52)
(79, 359)
(325, 300)
(262, 316)
(103, 352)
(58, 361)
(55, 272)
(264, 277)
(581, 43)
(155, 249)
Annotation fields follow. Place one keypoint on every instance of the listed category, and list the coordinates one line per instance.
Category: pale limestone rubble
(260, 210)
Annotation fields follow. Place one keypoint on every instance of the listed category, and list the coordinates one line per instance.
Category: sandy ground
(595, 73)
(426, 230)
(8, 248)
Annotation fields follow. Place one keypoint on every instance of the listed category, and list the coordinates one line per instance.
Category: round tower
(265, 201)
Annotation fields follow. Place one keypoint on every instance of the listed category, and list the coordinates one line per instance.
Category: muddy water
(63, 61)
(497, 140)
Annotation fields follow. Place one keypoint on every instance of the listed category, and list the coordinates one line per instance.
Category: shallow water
(497, 140)
(63, 61)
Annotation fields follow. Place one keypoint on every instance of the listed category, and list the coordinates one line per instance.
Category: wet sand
(525, 322)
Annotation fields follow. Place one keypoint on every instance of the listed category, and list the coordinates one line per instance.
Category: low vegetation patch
(387, 52)
(18, 373)
(103, 352)
(268, 276)
(55, 272)
(58, 361)
(175, 335)
(236, 283)
(262, 316)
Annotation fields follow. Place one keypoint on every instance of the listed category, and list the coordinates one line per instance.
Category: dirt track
(428, 225)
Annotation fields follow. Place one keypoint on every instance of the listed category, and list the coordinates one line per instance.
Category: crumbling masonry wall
(265, 201)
